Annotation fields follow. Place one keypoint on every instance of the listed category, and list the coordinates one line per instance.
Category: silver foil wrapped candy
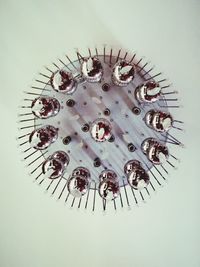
(109, 185)
(45, 107)
(158, 120)
(92, 69)
(123, 73)
(137, 176)
(155, 151)
(43, 137)
(63, 82)
(148, 92)
(131, 165)
(101, 130)
(78, 184)
(55, 165)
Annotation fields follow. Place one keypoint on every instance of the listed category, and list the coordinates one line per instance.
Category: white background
(38, 231)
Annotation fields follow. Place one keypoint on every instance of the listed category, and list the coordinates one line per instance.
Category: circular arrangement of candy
(101, 123)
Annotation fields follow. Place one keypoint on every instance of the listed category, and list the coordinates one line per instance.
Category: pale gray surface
(37, 231)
